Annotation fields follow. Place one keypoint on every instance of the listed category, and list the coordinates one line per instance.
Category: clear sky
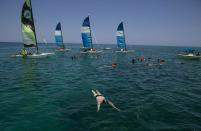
(154, 22)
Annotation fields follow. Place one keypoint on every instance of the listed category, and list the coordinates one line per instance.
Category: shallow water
(54, 94)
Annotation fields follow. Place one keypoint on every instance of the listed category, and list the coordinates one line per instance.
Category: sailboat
(121, 42)
(59, 38)
(87, 37)
(29, 33)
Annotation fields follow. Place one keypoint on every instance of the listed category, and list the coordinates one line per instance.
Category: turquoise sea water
(54, 94)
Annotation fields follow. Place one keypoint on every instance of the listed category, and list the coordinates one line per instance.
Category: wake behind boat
(29, 33)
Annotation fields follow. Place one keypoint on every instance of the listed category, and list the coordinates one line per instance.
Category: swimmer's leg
(98, 93)
(94, 93)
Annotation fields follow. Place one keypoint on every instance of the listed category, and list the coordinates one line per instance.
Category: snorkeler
(101, 99)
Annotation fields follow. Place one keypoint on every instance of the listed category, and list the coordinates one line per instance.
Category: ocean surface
(54, 94)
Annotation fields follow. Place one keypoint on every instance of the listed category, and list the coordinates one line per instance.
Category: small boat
(59, 39)
(29, 33)
(121, 42)
(87, 37)
(190, 54)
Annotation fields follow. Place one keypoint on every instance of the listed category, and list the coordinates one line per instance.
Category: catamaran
(59, 38)
(87, 37)
(121, 42)
(29, 33)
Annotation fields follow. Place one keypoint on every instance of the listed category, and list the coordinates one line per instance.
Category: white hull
(63, 50)
(190, 57)
(91, 52)
(39, 55)
(128, 51)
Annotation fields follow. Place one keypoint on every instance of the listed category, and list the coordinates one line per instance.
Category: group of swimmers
(142, 59)
(100, 99)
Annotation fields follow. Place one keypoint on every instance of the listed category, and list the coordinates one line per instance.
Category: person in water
(133, 60)
(92, 49)
(87, 49)
(141, 59)
(123, 49)
(24, 52)
(100, 99)
(161, 61)
(114, 65)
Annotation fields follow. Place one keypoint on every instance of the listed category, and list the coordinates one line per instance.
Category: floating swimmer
(101, 99)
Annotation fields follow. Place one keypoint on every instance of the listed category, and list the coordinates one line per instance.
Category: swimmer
(101, 99)
(133, 60)
(114, 65)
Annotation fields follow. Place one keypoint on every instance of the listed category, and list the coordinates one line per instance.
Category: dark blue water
(54, 94)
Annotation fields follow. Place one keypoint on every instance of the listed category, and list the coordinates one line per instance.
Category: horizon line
(136, 44)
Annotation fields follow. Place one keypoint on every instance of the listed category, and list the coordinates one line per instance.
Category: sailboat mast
(62, 37)
(124, 37)
(91, 35)
(91, 39)
(34, 27)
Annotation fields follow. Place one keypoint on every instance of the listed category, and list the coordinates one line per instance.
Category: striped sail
(121, 43)
(27, 25)
(86, 33)
(58, 36)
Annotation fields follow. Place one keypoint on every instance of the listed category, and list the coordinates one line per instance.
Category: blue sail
(121, 43)
(86, 33)
(58, 36)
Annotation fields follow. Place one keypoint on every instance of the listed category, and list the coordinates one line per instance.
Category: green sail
(27, 25)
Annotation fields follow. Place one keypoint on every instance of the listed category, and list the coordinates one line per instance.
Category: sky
(146, 22)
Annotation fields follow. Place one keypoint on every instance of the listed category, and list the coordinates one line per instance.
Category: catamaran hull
(91, 52)
(62, 50)
(128, 51)
(40, 55)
